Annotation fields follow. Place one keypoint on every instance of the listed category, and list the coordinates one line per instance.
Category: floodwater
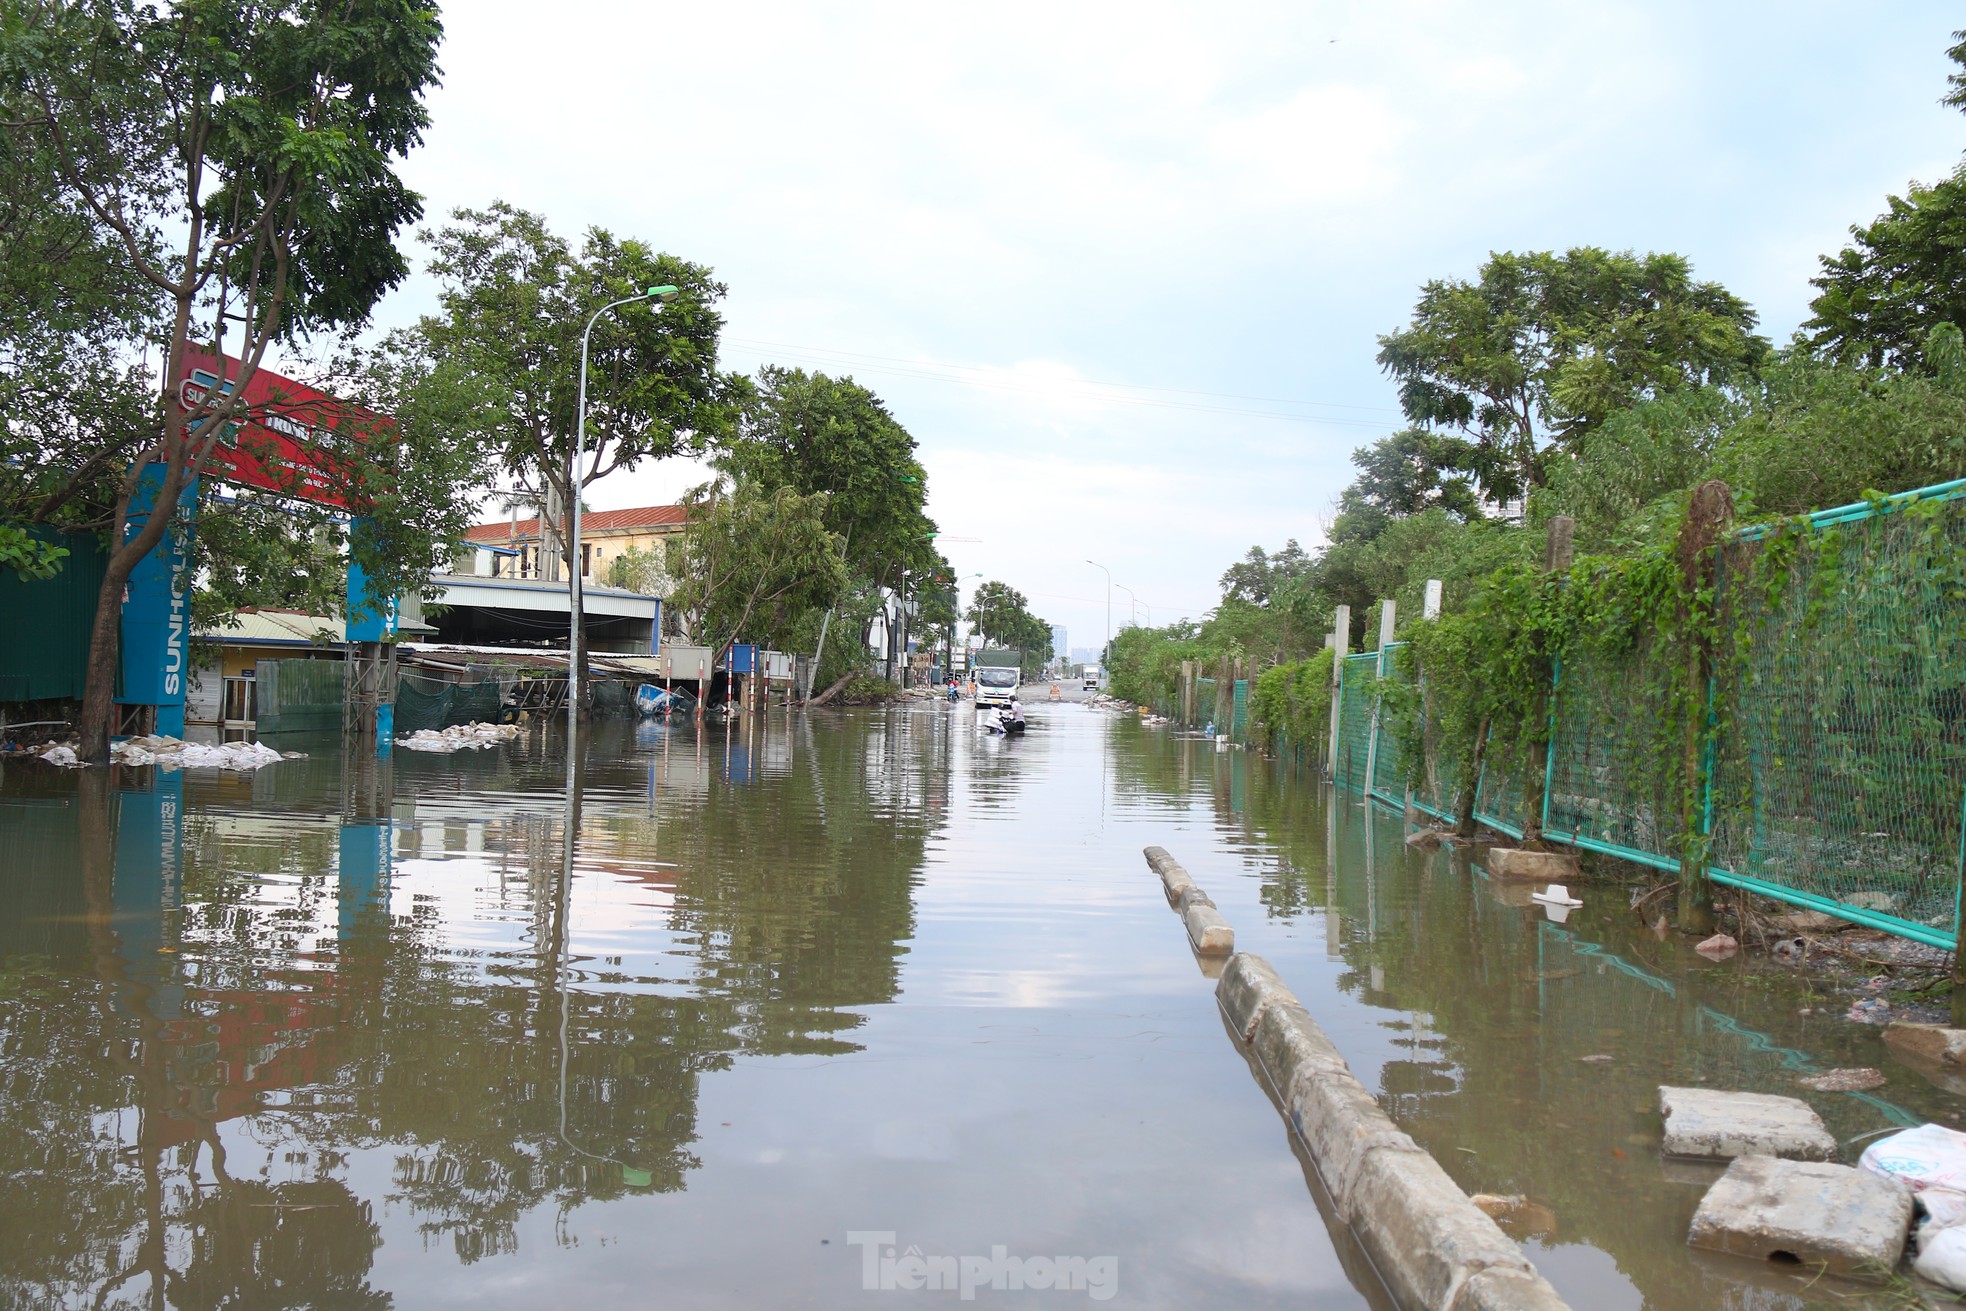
(825, 1008)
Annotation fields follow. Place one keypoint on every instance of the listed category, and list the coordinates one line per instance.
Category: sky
(1121, 270)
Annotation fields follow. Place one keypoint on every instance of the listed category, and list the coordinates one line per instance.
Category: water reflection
(1525, 1054)
(239, 1016)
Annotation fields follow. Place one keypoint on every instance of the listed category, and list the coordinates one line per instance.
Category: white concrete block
(1707, 1122)
(1812, 1212)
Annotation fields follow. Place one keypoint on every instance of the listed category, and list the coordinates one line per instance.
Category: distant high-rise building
(1085, 655)
(1058, 641)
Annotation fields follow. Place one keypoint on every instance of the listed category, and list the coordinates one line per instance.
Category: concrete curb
(1208, 932)
(1174, 879)
(1434, 1249)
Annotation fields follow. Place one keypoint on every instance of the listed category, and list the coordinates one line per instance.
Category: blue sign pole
(156, 621)
(148, 887)
(371, 618)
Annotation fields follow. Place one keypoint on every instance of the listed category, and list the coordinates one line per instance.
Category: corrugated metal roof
(591, 521)
(286, 627)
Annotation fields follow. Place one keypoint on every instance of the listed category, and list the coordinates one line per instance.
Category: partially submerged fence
(1831, 767)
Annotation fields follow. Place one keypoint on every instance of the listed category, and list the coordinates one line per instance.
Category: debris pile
(458, 737)
(170, 753)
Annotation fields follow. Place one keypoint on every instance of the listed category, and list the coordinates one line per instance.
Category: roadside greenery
(179, 174)
(1618, 390)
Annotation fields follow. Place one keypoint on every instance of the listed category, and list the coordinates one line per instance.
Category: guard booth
(280, 440)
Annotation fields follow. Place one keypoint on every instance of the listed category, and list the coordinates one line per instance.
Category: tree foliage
(1904, 273)
(1542, 347)
(516, 299)
(210, 164)
(753, 562)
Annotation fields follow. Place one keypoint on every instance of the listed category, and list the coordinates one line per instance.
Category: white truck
(996, 685)
(1092, 678)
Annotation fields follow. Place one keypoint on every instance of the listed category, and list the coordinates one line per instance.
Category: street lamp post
(576, 601)
(1107, 650)
(1133, 604)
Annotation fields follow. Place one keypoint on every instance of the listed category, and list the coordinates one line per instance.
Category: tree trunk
(105, 634)
(832, 691)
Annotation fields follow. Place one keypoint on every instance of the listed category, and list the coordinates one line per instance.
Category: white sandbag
(1929, 1156)
(459, 737)
(1942, 1256)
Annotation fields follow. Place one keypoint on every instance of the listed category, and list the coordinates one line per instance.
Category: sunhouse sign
(285, 436)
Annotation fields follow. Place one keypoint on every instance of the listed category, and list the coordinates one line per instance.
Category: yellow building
(510, 549)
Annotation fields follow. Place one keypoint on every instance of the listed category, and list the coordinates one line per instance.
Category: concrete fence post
(1431, 608)
(1341, 639)
(1388, 614)
(1707, 519)
(1225, 695)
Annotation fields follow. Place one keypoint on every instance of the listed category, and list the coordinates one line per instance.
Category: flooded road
(817, 997)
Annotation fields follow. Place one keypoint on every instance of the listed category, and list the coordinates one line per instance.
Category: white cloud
(1229, 199)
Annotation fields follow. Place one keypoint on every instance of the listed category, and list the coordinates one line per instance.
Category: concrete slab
(1192, 896)
(1425, 1236)
(1175, 880)
(1208, 931)
(1707, 1122)
(1927, 1042)
(1290, 1045)
(1508, 1290)
(1249, 985)
(1542, 866)
(1341, 1124)
(1810, 1212)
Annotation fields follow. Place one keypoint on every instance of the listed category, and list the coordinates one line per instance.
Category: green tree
(641, 571)
(1542, 347)
(996, 612)
(818, 434)
(753, 562)
(238, 162)
(515, 300)
(1904, 273)
(1256, 577)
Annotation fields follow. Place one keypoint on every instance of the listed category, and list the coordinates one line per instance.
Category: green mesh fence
(1840, 770)
(1501, 783)
(613, 699)
(1385, 757)
(1614, 785)
(1355, 707)
(423, 702)
(1239, 713)
(298, 696)
(1204, 701)
(1836, 778)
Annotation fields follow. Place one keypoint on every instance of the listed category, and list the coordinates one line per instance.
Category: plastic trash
(1556, 894)
(1930, 1156)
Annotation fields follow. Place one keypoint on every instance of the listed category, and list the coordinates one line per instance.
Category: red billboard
(285, 437)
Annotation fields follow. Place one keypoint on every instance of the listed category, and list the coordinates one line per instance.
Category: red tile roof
(591, 521)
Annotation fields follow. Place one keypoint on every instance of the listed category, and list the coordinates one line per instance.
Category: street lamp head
(666, 294)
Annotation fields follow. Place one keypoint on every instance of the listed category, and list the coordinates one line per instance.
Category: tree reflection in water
(215, 993)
